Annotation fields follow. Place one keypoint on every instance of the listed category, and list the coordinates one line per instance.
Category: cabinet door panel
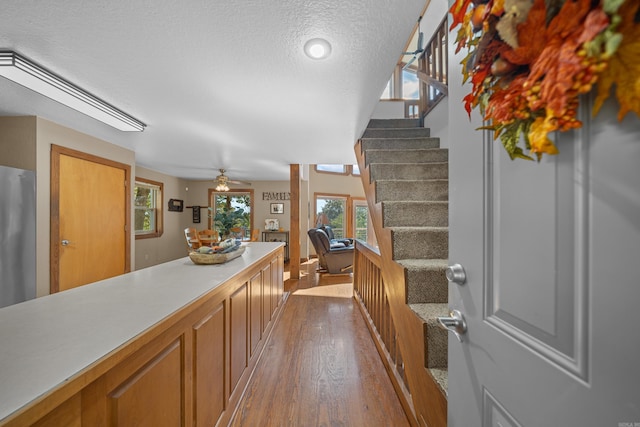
(267, 308)
(152, 396)
(255, 284)
(238, 315)
(209, 373)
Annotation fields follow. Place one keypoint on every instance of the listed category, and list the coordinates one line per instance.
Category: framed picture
(277, 208)
(196, 214)
(271, 224)
(176, 205)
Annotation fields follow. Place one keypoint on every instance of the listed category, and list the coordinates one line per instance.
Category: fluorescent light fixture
(32, 76)
(317, 48)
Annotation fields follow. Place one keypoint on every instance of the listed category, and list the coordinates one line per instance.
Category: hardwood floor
(320, 366)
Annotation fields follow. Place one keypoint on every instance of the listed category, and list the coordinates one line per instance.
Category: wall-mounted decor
(284, 195)
(176, 205)
(271, 224)
(196, 214)
(277, 208)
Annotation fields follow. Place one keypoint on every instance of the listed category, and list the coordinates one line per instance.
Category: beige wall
(18, 142)
(171, 245)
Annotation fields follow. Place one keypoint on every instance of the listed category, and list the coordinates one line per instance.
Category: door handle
(455, 274)
(65, 242)
(454, 323)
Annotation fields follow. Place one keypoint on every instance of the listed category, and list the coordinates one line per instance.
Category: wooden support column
(294, 233)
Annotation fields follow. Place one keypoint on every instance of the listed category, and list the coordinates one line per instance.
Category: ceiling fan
(419, 48)
(223, 181)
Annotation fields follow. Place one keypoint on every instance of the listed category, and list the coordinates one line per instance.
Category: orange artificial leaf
(624, 66)
(531, 36)
(571, 15)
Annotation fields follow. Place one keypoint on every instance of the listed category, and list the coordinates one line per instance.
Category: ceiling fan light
(222, 187)
(317, 48)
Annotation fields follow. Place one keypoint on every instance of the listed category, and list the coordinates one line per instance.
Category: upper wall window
(147, 204)
(338, 169)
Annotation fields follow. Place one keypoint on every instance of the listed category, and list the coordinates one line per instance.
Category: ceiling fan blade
(231, 181)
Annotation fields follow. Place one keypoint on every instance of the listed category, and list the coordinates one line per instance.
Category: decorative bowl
(198, 258)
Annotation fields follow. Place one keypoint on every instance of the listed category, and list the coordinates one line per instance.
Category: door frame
(54, 251)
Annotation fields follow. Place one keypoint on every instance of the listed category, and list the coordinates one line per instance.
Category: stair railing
(433, 70)
(370, 294)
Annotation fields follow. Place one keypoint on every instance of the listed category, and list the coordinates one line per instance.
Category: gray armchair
(334, 258)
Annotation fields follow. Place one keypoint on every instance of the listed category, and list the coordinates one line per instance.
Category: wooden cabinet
(278, 236)
(189, 369)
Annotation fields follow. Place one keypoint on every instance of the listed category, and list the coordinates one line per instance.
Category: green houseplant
(226, 219)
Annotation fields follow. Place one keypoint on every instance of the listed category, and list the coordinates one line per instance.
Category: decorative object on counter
(529, 62)
(277, 208)
(175, 205)
(226, 251)
(271, 224)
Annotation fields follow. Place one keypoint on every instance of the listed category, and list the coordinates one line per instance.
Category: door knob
(455, 273)
(454, 323)
(65, 242)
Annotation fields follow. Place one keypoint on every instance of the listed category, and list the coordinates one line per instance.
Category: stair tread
(409, 164)
(441, 377)
(423, 264)
(430, 311)
(391, 148)
(416, 202)
(418, 228)
(407, 181)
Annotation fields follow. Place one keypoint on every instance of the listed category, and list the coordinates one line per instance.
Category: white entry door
(551, 252)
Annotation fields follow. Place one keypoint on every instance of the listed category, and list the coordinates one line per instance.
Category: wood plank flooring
(320, 366)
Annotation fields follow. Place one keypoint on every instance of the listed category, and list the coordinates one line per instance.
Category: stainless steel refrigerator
(17, 235)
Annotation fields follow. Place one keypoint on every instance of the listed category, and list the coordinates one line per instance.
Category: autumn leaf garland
(529, 60)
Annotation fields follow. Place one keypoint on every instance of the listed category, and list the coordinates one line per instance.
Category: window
(231, 213)
(331, 210)
(338, 169)
(361, 221)
(147, 204)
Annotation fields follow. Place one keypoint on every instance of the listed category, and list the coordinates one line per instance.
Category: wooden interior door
(89, 219)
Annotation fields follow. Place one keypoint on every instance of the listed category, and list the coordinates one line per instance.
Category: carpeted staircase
(410, 175)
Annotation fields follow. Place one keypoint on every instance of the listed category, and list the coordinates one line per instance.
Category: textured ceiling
(219, 84)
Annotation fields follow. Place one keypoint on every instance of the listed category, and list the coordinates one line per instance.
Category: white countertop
(47, 340)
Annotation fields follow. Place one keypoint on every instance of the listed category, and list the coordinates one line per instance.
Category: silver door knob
(455, 274)
(454, 323)
(65, 242)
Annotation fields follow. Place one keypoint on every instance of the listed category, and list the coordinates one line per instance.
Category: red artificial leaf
(596, 21)
(458, 10)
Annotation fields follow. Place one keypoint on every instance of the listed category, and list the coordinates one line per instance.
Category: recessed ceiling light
(317, 48)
